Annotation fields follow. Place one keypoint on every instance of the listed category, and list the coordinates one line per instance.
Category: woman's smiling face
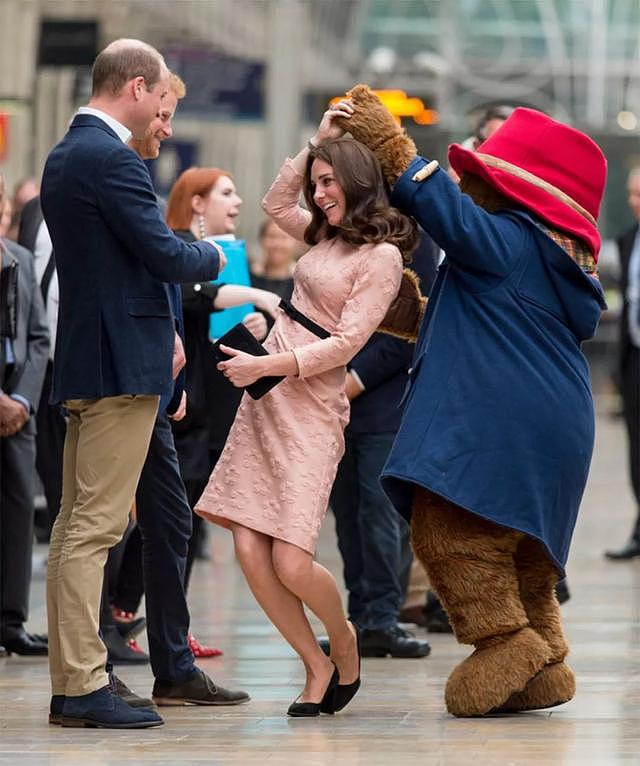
(328, 195)
(221, 208)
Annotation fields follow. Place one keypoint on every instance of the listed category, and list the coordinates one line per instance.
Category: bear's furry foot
(500, 667)
(553, 685)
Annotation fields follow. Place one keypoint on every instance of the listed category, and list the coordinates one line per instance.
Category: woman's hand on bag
(242, 369)
(328, 128)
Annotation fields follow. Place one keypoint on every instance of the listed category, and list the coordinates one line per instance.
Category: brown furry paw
(373, 125)
(404, 316)
(500, 667)
(553, 685)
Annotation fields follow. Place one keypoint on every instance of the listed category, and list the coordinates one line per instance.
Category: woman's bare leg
(316, 587)
(283, 608)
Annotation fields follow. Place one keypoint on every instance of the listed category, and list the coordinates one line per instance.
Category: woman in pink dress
(272, 482)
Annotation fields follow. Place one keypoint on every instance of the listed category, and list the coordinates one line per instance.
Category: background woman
(272, 482)
(278, 250)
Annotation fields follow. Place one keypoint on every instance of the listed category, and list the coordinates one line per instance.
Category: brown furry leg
(470, 562)
(555, 683)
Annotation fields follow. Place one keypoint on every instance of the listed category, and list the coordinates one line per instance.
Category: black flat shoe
(346, 692)
(326, 704)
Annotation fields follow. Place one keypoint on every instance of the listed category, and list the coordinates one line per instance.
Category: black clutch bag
(240, 338)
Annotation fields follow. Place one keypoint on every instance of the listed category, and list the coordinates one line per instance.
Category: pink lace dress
(280, 460)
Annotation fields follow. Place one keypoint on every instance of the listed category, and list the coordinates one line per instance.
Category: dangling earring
(201, 228)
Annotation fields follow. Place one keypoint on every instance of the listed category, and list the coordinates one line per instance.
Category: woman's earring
(201, 227)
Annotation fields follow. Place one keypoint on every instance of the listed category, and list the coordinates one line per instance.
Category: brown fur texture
(498, 668)
(481, 571)
(470, 565)
(537, 579)
(404, 316)
(373, 125)
(553, 685)
(484, 195)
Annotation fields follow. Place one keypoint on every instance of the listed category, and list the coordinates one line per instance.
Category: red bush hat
(548, 168)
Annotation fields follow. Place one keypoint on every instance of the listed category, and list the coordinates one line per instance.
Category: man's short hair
(491, 113)
(122, 61)
(177, 86)
(633, 173)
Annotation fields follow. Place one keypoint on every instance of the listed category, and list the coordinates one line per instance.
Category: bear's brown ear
(404, 316)
(373, 125)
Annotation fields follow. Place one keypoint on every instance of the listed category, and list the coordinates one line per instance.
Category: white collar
(123, 133)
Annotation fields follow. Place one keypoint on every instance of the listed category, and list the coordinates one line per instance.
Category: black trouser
(164, 520)
(17, 469)
(130, 586)
(52, 428)
(373, 539)
(630, 389)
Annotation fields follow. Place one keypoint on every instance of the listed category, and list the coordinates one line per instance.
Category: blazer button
(197, 288)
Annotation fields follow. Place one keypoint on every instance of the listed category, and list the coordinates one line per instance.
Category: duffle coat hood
(498, 411)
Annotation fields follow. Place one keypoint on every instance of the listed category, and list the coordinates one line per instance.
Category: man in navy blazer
(113, 357)
(156, 549)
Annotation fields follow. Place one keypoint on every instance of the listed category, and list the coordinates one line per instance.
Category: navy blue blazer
(113, 255)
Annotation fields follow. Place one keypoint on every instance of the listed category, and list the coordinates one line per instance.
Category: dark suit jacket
(171, 402)
(30, 220)
(113, 254)
(625, 246)
(31, 344)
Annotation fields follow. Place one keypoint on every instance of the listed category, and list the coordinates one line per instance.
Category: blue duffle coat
(498, 412)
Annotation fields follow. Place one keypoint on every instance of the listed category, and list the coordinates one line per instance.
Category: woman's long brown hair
(369, 217)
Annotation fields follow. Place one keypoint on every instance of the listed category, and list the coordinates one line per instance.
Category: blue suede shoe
(102, 709)
(55, 709)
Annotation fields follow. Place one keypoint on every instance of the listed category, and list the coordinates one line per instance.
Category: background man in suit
(25, 350)
(113, 358)
(629, 355)
(373, 539)
(51, 427)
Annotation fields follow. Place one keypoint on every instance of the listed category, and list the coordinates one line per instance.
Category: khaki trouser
(104, 451)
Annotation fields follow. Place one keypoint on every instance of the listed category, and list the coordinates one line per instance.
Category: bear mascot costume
(491, 460)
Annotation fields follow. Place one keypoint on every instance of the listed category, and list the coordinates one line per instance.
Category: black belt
(300, 318)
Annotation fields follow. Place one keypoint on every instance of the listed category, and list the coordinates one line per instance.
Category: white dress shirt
(123, 133)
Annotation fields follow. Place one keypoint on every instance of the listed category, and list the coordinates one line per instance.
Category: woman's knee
(248, 543)
(291, 564)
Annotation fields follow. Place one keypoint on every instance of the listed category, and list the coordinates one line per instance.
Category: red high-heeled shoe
(200, 650)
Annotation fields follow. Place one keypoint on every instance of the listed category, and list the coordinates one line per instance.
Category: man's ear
(138, 87)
